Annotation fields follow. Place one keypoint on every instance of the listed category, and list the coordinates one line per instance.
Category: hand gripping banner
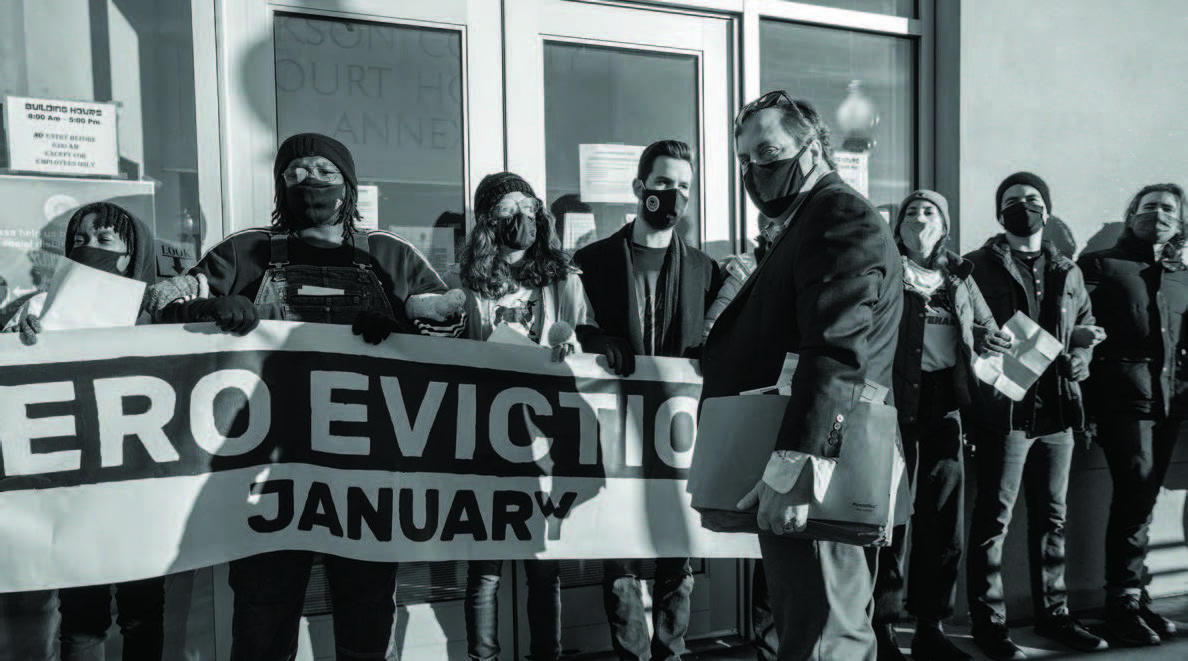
(136, 452)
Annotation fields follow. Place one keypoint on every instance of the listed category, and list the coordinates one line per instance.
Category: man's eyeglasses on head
(769, 100)
(529, 207)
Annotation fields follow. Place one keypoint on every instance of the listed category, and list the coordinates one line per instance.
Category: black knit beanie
(1027, 179)
(494, 186)
(315, 144)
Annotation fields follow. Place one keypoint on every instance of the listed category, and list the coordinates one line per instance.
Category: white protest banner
(62, 137)
(137, 452)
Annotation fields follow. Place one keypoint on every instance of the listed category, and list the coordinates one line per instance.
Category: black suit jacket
(611, 291)
(829, 289)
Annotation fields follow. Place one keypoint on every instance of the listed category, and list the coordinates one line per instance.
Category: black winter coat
(830, 289)
(1002, 286)
(1141, 302)
(970, 309)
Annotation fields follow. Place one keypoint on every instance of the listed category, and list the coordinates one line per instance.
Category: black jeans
(1005, 464)
(270, 596)
(28, 621)
(544, 608)
(622, 597)
(933, 451)
(86, 616)
(1138, 453)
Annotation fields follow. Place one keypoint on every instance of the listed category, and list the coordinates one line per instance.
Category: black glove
(236, 314)
(1072, 366)
(375, 327)
(987, 341)
(620, 357)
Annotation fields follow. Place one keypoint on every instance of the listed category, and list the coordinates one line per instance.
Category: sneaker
(888, 646)
(1158, 623)
(1125, 623)
(995, 640)
(1065, 629)
(931, 644)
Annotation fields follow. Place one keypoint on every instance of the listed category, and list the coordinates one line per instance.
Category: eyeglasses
(529, 207)
(298, 174)
(769, 100)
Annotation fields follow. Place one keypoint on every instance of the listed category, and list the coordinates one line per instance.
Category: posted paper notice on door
(607, 171)
(62, 137)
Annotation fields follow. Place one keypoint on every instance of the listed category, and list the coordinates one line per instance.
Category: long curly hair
(486, 272)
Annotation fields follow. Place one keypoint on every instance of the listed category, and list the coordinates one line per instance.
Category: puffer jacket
(970, 309)
(1141, 302)
(1003, 288)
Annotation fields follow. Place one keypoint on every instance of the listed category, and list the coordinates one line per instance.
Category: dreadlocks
(106, 215)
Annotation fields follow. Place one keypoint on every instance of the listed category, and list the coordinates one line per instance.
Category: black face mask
(1022, 219)
(774, 186)
(313, 205)
(98, 258)
(662, 209)
(1154, 226)
(517, 232)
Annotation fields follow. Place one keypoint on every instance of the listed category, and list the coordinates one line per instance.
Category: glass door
(588, 86)
(412, 89)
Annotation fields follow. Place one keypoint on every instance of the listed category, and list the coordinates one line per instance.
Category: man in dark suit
(649, 292)
(829, 289)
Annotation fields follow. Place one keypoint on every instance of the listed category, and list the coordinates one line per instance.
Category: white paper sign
(577, 225)
(853, 167)
(83, 297)
(62, 137)
(1032, 350)
(607, 172)
(368, 207)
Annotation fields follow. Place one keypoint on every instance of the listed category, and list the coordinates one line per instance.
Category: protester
(1027, 444)
(106, 237)
(516, 276)
(1139, 289)
(314, 243)
(945, 324)
(829, 289)
(648, 286)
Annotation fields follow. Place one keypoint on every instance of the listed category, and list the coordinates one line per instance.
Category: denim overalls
(321, 294)
(270, 587)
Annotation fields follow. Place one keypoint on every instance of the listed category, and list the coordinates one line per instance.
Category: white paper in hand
(505, 334)
(1032, 350)
(82, 297)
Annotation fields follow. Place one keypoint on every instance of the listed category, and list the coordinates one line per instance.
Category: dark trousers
(86, 616)
(763, 633)
(28, 621)
(270, 595)
(820, 594)
(1138, 453)
(933, 452)
(1004, 465)
(544, 608)
(622, 597)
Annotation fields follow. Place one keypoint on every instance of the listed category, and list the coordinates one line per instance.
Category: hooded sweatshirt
(142, 267)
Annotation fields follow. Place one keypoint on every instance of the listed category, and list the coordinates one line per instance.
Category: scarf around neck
(921, 280)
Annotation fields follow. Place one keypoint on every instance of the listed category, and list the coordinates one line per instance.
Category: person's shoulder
(382, 243)
(595, 248)
(244, 239)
